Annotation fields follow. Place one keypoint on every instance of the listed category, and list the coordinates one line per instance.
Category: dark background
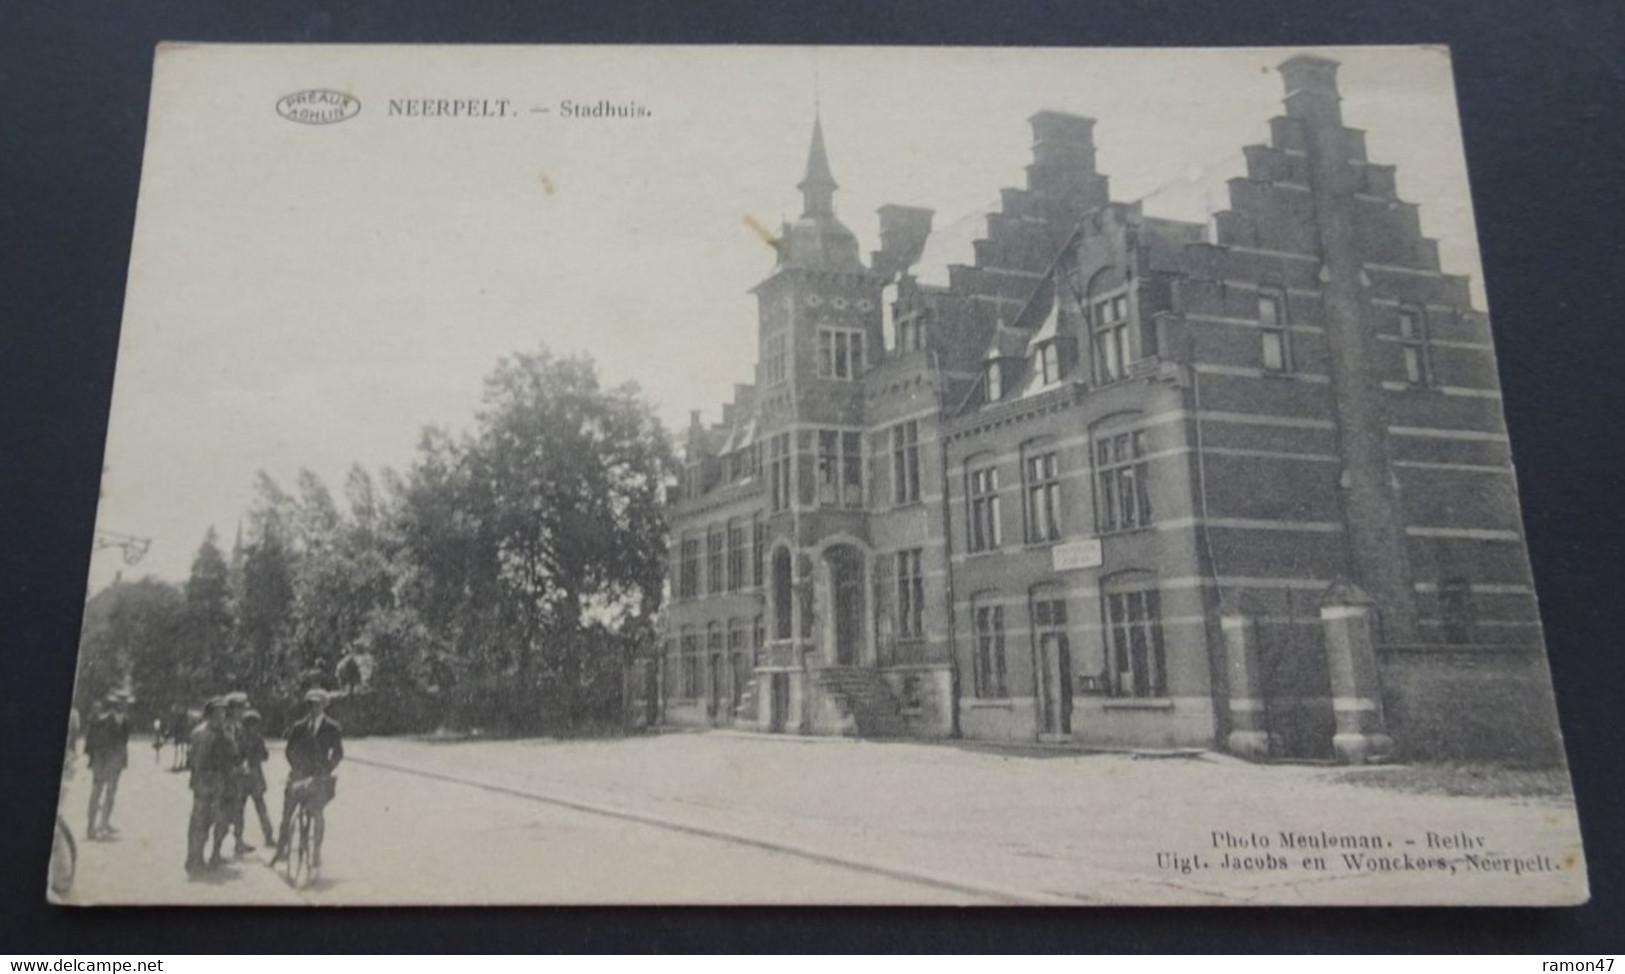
(1541, 87)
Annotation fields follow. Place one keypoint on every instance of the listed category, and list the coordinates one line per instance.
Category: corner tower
(819, 329)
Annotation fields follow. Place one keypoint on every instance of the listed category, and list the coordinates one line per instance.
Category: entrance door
(1054, 684)
(719, 712)
(846, 583)
(780, 702)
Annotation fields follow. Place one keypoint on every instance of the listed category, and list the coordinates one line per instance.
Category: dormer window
(911, 332)
(1109, 317)
(840, 353)
(993, 376)
(1051, 364)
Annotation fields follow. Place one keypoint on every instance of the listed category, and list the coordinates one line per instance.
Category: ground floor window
(691, 665)
(1135, 659)
(910, 595)
(990, 662)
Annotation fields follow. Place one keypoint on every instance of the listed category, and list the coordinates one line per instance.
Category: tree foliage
(499, 581)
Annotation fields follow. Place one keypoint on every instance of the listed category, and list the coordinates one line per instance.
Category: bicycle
(303, 863)
(64, 850)
(64, 858)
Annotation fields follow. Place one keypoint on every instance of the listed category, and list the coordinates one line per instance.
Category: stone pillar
(1249, 737)
(1347, 616)
(764, 701)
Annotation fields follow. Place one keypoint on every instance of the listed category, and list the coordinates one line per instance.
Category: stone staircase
(864, 695)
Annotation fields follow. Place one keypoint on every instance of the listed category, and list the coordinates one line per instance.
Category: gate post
(1351, 658)
(1249, 736)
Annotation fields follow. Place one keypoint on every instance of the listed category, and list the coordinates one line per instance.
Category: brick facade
(1124, 481)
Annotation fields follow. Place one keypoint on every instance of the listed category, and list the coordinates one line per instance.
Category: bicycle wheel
(302, 852)
(64, 858)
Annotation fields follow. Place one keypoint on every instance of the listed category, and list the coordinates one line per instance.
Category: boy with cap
(107, 745)
(213, 757)
(236, 793)
(254, 755)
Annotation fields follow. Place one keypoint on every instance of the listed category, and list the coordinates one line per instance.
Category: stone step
(865, 695)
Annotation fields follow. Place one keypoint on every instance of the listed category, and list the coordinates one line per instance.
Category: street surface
(736, 818)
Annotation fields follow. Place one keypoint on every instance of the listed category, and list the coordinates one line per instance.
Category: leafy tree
(132, 631)
(567, 479)
(265, 605)
(208, 627)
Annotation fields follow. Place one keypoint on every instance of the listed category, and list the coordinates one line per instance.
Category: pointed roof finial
(818, 185)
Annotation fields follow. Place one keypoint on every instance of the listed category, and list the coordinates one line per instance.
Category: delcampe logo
(318, 106)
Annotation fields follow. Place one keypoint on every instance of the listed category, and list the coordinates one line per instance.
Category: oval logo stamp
(318, 106)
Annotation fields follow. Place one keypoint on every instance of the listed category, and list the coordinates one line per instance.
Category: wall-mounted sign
(1077, 554)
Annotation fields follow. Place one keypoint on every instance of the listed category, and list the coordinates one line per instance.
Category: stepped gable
(1033, 224)
(1271, 207)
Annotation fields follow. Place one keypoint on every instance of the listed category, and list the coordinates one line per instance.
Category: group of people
(227, 755)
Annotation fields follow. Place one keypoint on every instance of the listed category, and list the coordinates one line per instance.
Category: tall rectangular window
(852, 469)
(778, 471)
(688, 577)
(738, 550)
(758, 549)
(910, 595)
(905, 451)
(1043, 497)
(840, 469)
(840, 353)
(774, 360)
(691, 665)
(1272, 325)
(983, 488)
(1413, 339)
(829, 467)
(715, 581)
(1135, 661)
(739, 662)
(990, 666)
(1111, 338)
(1121, 482)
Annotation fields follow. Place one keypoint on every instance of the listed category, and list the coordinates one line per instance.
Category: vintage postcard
(568, 475)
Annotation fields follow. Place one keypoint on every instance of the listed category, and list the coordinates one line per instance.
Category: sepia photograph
(809, 475)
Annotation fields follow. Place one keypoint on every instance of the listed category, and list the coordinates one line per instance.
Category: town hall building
(1123, 482)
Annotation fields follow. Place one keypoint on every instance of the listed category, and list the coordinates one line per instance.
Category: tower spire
(818, 185)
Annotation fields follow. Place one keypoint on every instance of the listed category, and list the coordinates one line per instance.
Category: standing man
(255, 755)
(107, 745)
(236, 796)
(212, 761)
(315, 747)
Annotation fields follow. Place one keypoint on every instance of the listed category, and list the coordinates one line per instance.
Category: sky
(309, 296)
